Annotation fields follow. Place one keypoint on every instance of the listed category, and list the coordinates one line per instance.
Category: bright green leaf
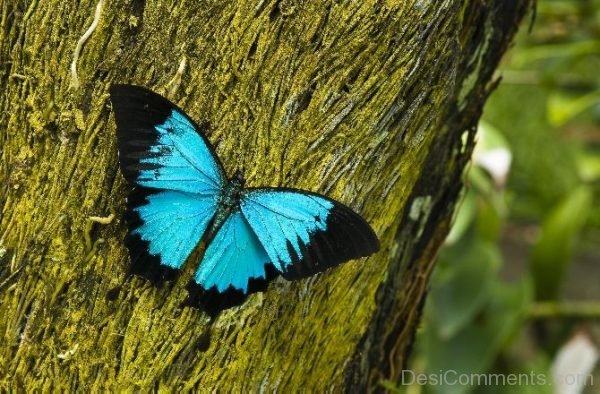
(588, 164)
(570, 49)
(561, 107)
(554, 249)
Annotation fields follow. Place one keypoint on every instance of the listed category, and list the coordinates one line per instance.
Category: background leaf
(553, 251)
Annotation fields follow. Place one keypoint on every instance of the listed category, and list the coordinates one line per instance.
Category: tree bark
(373, 103)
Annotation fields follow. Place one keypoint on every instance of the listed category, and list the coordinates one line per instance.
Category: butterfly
(181, 195)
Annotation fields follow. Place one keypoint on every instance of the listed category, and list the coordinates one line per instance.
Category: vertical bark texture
(374, 103)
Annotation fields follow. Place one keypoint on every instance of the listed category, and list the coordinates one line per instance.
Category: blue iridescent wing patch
(167, 225)
(304, 233)
(178, 180)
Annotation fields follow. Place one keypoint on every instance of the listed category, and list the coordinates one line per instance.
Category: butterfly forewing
(304, 233)
(160, 146)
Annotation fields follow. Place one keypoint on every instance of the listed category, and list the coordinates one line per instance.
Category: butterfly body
(228, 203)
(182, 195)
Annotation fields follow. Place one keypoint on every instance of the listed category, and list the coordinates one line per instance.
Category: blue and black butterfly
(182, 195)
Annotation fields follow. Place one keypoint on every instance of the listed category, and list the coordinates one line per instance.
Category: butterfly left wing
(177, 176)
(304, 233)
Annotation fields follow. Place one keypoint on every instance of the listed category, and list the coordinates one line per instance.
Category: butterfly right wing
(305, 233)
(234, 265)
(233, 258)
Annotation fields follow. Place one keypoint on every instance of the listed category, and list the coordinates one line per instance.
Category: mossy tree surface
(373, 103)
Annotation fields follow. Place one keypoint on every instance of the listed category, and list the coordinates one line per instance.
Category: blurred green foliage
(544, 120)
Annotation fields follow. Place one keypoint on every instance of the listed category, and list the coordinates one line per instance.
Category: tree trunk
(373, 103)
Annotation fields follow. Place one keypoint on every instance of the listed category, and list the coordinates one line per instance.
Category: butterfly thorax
(229, 202)
(232, 191)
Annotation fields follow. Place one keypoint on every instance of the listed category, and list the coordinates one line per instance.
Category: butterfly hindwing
(160, 146)
(233, 258)
(234, 265)
(164, 228)
(304, 233)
